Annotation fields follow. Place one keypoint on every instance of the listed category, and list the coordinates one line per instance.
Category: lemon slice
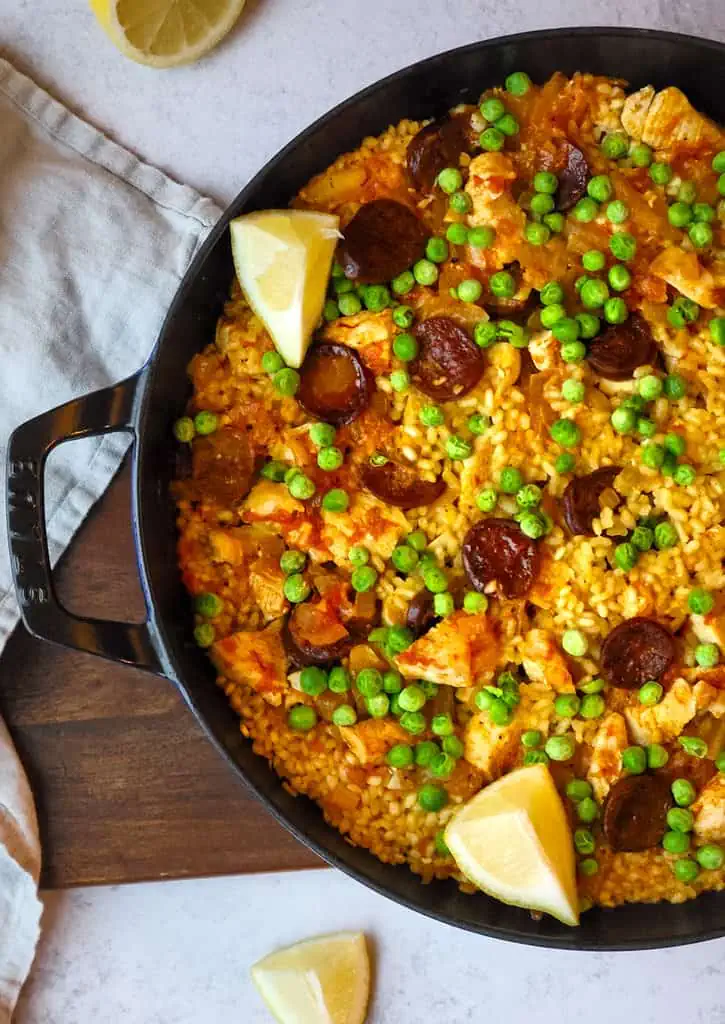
(166, 33)
(283, 260)
(319, 981)
(513, 841)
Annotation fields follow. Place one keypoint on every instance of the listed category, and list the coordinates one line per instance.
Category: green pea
(634, 760)
(401, 285)
(510, 480)
(274, 470)
(378, 706)
(478, 423)
(565, 432)
(717, 330)
(475, 603)
(470, 290)
(721, 184)
(679, 215)
(302, 718)
(531, 738)
(403, 316)
(623, 246)
(459, 202)
(441, 846)
(528, 496)
(560, 748)
(450, 179)
(566, 330)
(338, 679)
(687, 192)
(184, 429)
(707, 655)
(481, 237)
(652, 455)
(400, 380)
(343, 286)
(552, 314)
(589, 325)
(330, 311)
(566, 705)
(594, 260)
(329, 459)
(431, 416)
(586, 210)
(434, 578)
(532, 525)
(623, 420)
(564, 463)
(578, 789)
(600, 188)
(536, 757)
(718, 162)
(537, 234)
(518, 83)
(640, 155)
(286, 381)
(657, 756)
(681, 819)
(700, 601)
(369, 682)
(593, 706)
(675, 386)
(292, 561)
(404, 558)
(336, 500)
(491, 139)
(363, 579)
(425, 752)
(693, 745)
(208, 605)
(484, 333)
(665, 536)
(642, 538)
(206, 422)
(573, 351)
(675, 842)
(443, 605)
(405, 347)
(502, 285)
(296, 588)
(458, 448)
(592, 686)
(710, 857)
(313, 680)
(555, 222)
(650, 694)
(417, 540)
(594, 294)
(425, 272)
(456, 234)
(487, 499)
(499, 712)
(661, 174)
(685, 870)
(615, 311)
(683, 792)
(301, 487)
(552, 293)
(617, 212)
(615, 145)
(584, 841)
(701, 235)
(587, 810)
(432, 798)
(588, 866)
(492, 108)
(546, 182)
(344, 715)
(619, 277)
(442, 765)
(508, 125)
(204, 634)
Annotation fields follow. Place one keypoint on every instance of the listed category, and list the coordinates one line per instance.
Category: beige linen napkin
(93, 245)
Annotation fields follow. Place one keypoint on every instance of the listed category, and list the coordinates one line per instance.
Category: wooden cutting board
(127, 786)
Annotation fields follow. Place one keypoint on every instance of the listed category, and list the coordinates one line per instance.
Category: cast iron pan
(146, 405)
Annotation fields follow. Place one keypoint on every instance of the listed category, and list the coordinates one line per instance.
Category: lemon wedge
(513, 841)
(166, 33)
(319, 981)
(283, 260)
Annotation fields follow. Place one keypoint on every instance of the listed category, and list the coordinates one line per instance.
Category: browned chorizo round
(437, 145)
(421, 615)
(635, 812)
(221, 466)
(334, 384)
(400, 485)
(312, 637)
(449, 363)
(581, 498)
(617, 352)
(383, 239)
(636, 651)
(573, 179)
(496, 549)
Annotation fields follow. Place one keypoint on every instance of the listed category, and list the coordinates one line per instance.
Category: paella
(477, 526)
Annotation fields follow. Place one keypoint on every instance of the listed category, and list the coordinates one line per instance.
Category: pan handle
(102, 412)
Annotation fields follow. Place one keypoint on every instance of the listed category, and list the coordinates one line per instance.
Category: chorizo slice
(496, 549)
(449, 363)
(400, 485)
(581, 498)
(635, 813)
(383, 239)
(437, 145)
(334, 384)
(636, 651)
(573, 179)
(617, 352)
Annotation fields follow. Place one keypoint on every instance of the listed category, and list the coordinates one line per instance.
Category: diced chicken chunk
(544, 663)
(256, 658)
(371, 739)
(709, 811)
(665, 118)
(267, 582)
(494, 749)
(459, 651)
(684, 272)
(605, 765)
(367, 521)
(489, 178)
(370, 334)
(545, 351)
(553, 576)
(268, 500)
(664, 721)
(709, 629)
(709, 698)
(226, 546)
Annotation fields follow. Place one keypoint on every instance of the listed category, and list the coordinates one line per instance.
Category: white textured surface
(179, 953)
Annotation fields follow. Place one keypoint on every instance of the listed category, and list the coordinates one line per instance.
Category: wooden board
(127, 786)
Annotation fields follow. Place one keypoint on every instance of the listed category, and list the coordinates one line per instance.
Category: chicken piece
(545, 351)
(367, 521)
(227, 546)
(459, 651)
(662, 119)
(267, 583)
(605, 765)
(684, 272)
(489, 177)
(504, 367)
(270, 501)
(365, 656)
(370, 334)
(664, 721)
(255, 658)
(553, 576)
(709, 698)
(709, 811)
(371, 739)
(710, 628)
(544, 663)
(495, 749)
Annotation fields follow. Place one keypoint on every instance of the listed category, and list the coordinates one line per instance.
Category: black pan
(147, 404)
